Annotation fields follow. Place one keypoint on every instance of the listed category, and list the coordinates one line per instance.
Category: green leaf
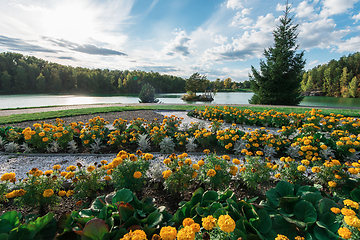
(214, 207)
(307, 189)
(132, 222)
(305, 212)
(13, 217)
(322, 233)
(4, 236)
(41, 222)
(201, 211)
(23, 232)
(125, 213)
(95, 229)
(210, 196)
(98, 204)
(5, 226)
(355, 194)
(325, 205)
(64, 222)
(312, 197)
(265, 221)
(329, 219)
(48, 231)
(86, 213)
(103, 213)
(197, 196)
(285, 189)
(281, 226)
(154, 219)
(219, 212)
(226, 195)
(124, 195)
(273, 197)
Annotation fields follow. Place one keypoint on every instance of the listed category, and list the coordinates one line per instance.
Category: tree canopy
(278, 82)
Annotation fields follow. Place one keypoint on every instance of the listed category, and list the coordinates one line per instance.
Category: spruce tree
(279, 82)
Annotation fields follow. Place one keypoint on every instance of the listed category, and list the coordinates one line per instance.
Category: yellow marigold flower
(166, 161)
(301, 168)
(338, 176)
(41, 134)
(70, 168)
(45, 139)
(109, 171)
(194, 174)
(217, 167)
(69, 175)
(335, 210)
(188, 161)
(166, 174)
(201, 162)
(305, 162)
(336, 162)
(107, 178)
(137, 234)
(299, 238)
(56, 167)
(38, 173)
(226, 223)
(195, 227)
(211, 173)
(181, 163)
(48, 193)
(168, 233)
(187, 222)
(347, 212)
(90, 168)
(344, 233)
(70, 193)
(62, 193)
(196, 166)
(7, 176)
(137, 174)
(148, 156)
(281, 237)
(350, 203)
(236, 161)
(104, 162)
(208, 222)
(332, 184)
(316, 169)
(48, 172)
(63, 174)
(186, 233)
(226, 157)
(278, 175)
(352, 221)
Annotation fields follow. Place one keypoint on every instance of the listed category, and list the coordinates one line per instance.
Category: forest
(21, 74)
(337, 78)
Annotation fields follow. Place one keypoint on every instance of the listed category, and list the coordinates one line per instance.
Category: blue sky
(218, 38)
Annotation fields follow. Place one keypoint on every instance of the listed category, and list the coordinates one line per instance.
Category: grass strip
(85, 111)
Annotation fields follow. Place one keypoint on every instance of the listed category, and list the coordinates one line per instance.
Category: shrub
(147, 94)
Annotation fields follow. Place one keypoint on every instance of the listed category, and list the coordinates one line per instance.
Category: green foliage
(280, 77)
(196, 83)
(300, 211)
(27, 74)
(13, 228)
(147, 94)
(112, 216)
(255, 172)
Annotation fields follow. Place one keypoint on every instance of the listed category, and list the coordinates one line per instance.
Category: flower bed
(314, 158)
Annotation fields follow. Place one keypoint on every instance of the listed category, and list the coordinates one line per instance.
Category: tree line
(21, 74)
(339, 78)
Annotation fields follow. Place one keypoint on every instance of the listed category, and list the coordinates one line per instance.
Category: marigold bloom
(211, 173)
(281, 237)
(148, 156)
(351, 203)
(207, 151)
(168, 233)
(217, 167)
(70, 193)
(104, 162)
(278, 175)
(195, 227)
(166, 174)
(236, 161)
(137, 174)
(301, 168)
(62, 193)
(70, 168)
(332, 184)
(56, 167)
(7, 176)
(48, 193)
(186, 233)
(335, 210)
(137, 234)
(226, 223)
(90, 168)
(316, 169)
(344, 233)
(194, 174)
(48, 172)
(208, 222)
(45, 139)
(166, 161)
(201, 163)
(352, 221)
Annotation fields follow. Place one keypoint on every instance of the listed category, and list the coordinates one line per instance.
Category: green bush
(147, 94)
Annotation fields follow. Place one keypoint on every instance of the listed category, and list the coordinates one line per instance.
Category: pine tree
(279, 82)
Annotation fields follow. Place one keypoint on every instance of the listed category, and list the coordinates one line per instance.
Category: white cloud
(267, 23)
(280, 8)
(349, 45)
(320, 34)
(333, 7)
(219, 39)
(305, 10)
(241, 20)
(313, 63)
(356, 17)
(179, 46)
(234, 4)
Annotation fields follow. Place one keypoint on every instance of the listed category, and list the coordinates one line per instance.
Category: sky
(217, 38)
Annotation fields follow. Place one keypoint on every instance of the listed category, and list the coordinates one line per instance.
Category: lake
(42, 100)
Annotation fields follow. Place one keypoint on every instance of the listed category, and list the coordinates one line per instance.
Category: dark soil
(160, 196)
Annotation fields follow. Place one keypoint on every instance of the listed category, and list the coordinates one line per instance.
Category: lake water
(41, 100)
